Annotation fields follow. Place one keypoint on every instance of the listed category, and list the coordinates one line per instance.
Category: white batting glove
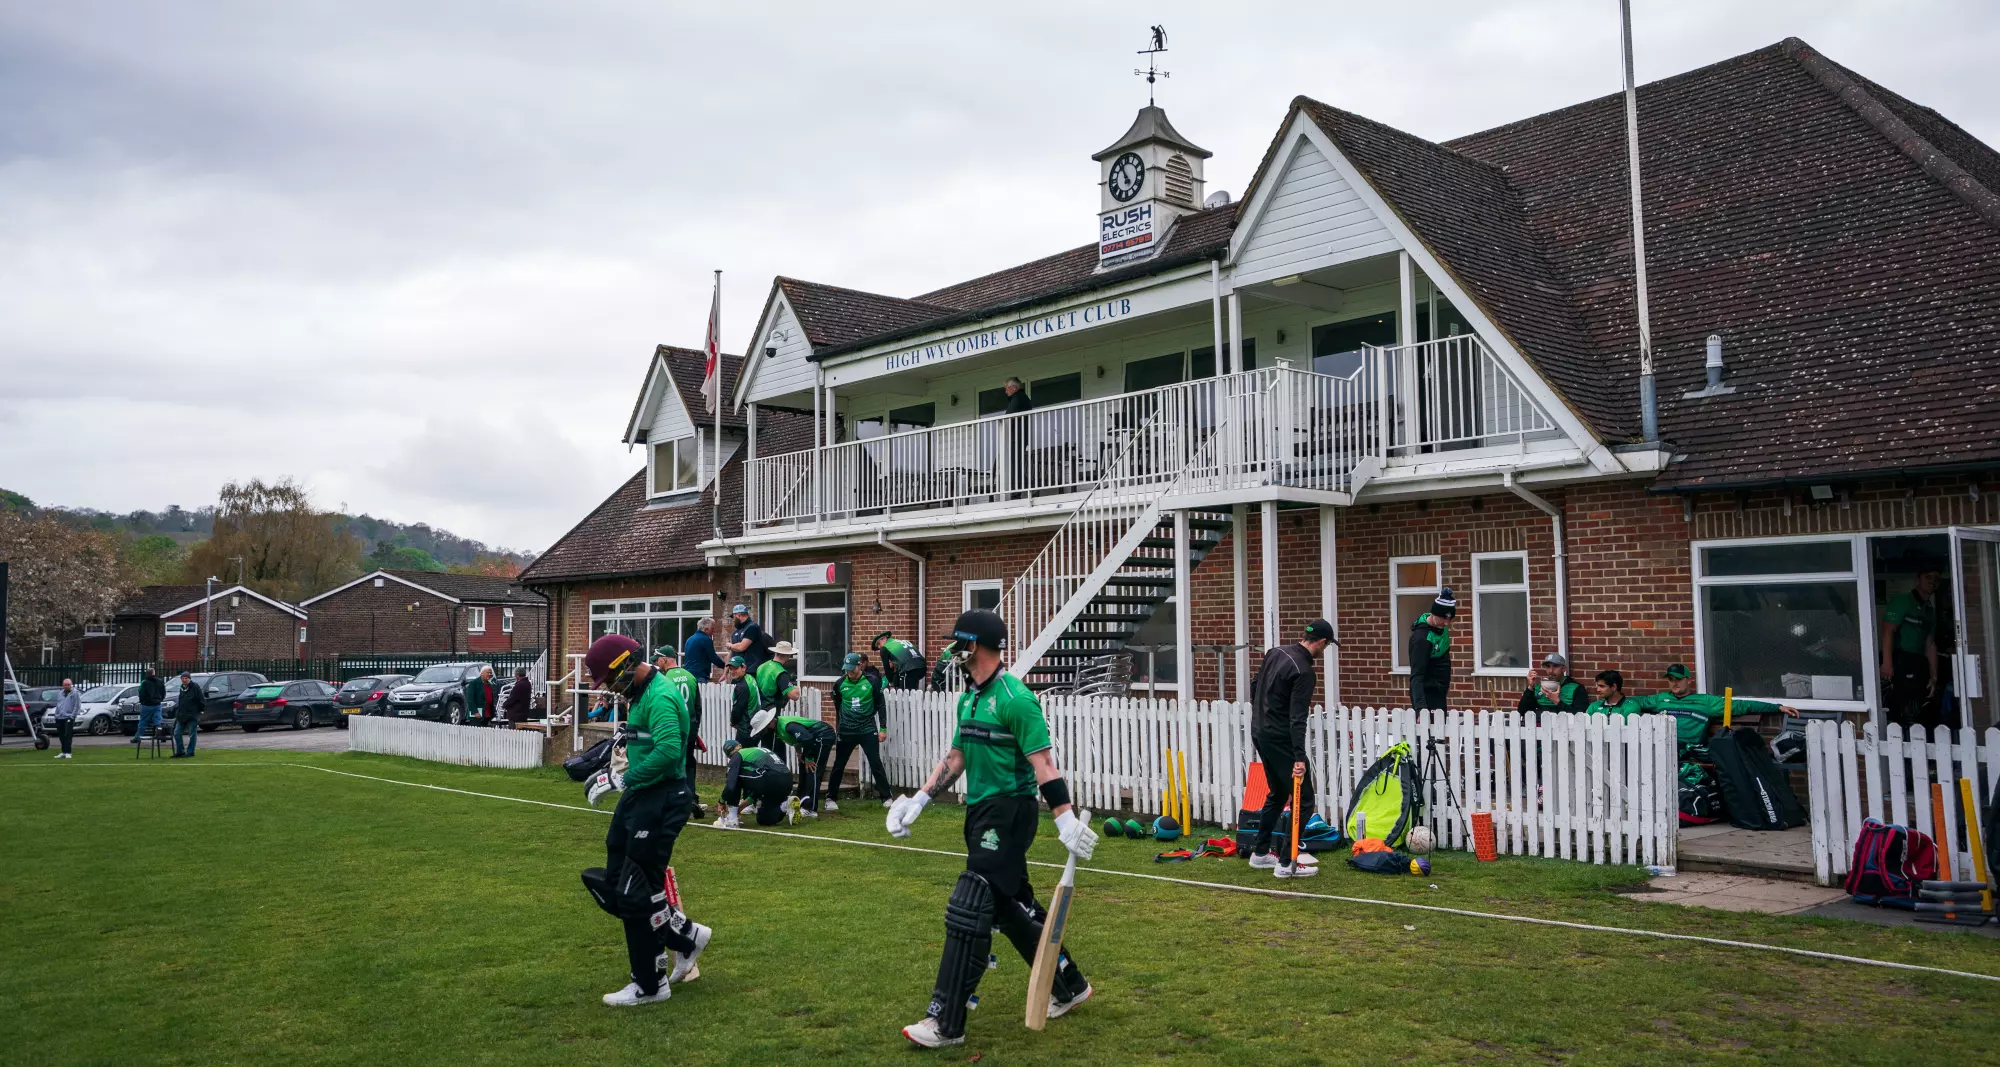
(1076, 834)
(905, 811)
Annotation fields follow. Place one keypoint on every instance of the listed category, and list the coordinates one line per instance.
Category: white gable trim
(642, 412)
(1552, 401)
(1327, 220)
(753, 357)
(236, 590)
(379, 574)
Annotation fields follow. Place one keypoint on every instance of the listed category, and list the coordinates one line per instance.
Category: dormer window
(676, 466)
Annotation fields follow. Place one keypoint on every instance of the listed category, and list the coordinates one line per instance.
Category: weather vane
(1152, 71)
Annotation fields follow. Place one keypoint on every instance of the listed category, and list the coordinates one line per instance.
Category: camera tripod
(1433, 759)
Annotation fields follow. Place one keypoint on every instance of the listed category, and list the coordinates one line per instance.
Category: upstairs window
(1336, 346)
(506, 620)
(225, 629)
(676, 466)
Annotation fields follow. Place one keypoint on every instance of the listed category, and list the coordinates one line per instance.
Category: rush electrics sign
(1125, 230)
(796, 576)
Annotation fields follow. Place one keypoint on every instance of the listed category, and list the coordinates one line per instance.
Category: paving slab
(1769, 853)
(1737, 892)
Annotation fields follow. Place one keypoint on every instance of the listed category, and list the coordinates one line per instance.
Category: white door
(1975, 600)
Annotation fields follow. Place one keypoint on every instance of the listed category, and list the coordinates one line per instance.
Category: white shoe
(1299, 871)
(727, 820)
(684, 968)
(1059, 1008)
(810, 813)
(1307, 859)
(631, 997)
(829, 805)
(1265, 861)
(924, 1033)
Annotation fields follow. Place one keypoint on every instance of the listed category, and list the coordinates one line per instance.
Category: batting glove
(905, 811)
(1076, 834)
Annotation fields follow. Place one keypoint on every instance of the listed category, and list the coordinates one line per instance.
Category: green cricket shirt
(657, 750)
(1693, 712)
(858, 704)
(768, 683)
(799, 730)
(1627, 707)
(1915, 621)
(684, 680)
(1000, 724)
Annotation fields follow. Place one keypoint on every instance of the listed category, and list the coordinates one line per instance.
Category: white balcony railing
(1272, 426)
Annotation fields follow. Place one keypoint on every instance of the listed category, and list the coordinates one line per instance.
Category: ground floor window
(1500, 613)
(652, 623)
(475, 620)
(1414, 582)
(183, 629)
(1782, 620)
(816, 623)
(983, 593)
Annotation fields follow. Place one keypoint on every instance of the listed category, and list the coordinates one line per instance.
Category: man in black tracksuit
(1430, 653)
(1281, 701)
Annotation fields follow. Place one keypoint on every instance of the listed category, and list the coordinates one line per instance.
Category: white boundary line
(1294, 894)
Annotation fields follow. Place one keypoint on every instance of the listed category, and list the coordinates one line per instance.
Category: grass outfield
(228, 910)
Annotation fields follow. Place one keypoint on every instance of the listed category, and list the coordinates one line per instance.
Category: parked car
(437, 692)
(27, 700)
(219, 691)
(367, 695)
(300, 705)
(99, 714)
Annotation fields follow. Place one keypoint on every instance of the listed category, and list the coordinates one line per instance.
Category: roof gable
(1308, 215)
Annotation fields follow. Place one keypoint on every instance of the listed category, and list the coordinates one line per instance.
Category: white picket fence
(1586, 787)
(473, 746)
(1888, 776)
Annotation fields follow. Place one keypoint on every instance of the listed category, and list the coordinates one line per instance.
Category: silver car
(100, 709)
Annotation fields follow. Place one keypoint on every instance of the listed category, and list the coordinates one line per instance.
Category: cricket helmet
(611, 660)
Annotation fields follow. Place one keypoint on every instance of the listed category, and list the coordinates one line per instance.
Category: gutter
(1562, 560)
(923, 587)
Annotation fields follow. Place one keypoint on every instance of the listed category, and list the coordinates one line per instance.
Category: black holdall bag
(588, 762)
(1755, 791)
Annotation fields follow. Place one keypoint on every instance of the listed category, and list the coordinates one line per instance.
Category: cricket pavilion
(1389, 366)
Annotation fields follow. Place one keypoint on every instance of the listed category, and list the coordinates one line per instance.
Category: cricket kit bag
(1389, 798)
(1755, 791)
(1701, 801)
(1889, 863)
(1317, 835)
(588, 762)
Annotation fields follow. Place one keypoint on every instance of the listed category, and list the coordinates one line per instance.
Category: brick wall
(394, 618)
(262, 632)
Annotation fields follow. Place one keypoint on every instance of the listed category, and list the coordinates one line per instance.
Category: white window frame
(182, 629)
(506, 620)
(1398, 642)
(302, 635)
(1528, 598)
(975, 585)
(97, 629)
(647, 610)
(798, 639)
(225, 628)
(1857, 572)
(653, 491)
(475, 620)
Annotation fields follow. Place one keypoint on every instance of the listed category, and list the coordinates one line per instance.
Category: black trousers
(1278, 757)
(871, 749)
(813, 759)
(65, 729)
(768, 790)
(1427, 694)
(998, 831)
(1910, 677)
(694, 798)
(644, 827)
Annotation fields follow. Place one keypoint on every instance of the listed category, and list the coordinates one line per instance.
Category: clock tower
(1147, 179)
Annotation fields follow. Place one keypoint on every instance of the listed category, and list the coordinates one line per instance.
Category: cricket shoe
(830, 805)
(808, 813)
(1264, 861)
(631, 997)
(1059, 1008)
(684, 968)
(1299, 870)
(925, 1034)
(727, 821)
(1307, 859)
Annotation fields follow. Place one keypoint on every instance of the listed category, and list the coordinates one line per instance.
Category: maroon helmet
(611, 660)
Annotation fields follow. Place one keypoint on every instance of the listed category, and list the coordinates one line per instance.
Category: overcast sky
(416, 255)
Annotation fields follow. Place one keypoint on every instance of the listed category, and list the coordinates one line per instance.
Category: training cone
(1483, 844)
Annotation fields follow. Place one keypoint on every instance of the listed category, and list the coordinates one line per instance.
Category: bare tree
(60, 576)
(290, 549)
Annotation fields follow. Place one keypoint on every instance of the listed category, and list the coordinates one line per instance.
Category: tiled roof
(624, 537)
(473, 588)
(834, 316)
(686, 367)
(155, 599)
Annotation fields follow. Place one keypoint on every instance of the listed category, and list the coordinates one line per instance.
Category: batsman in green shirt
(1002, 748)
(861, 720)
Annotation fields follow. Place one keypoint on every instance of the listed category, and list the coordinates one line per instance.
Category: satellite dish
(1218, 198)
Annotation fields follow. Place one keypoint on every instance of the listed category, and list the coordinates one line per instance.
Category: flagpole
(715, 341)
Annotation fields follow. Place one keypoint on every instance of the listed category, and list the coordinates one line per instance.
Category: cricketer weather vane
(1152, 71)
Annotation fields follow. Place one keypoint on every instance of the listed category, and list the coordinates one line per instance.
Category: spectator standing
(748, 641)
(1018, 402)
(520, 699)
(68, 706)
(698, 654)
(187, 717)
(1430, 653)
(479, 697)
(152, 694)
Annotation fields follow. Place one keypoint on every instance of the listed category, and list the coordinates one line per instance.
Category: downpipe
(1561, 557)
(923, 587)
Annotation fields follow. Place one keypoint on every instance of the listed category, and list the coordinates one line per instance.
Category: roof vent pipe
(1649, 400)
(1714, 362)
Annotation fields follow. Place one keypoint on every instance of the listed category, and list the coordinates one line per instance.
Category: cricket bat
(1042, 980)
(1296, 782)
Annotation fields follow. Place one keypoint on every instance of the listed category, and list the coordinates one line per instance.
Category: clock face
(1128, 173)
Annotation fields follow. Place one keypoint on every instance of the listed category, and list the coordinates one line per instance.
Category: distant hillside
(384, 543)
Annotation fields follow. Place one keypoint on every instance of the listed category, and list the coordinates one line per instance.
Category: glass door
(1975, 600)
(781, 619)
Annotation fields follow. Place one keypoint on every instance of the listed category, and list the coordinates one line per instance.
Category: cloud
(417, 255)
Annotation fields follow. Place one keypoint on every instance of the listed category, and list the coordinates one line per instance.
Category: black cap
(1321, 630)
(1677, 672)
(980, 627)
(1445, 604)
